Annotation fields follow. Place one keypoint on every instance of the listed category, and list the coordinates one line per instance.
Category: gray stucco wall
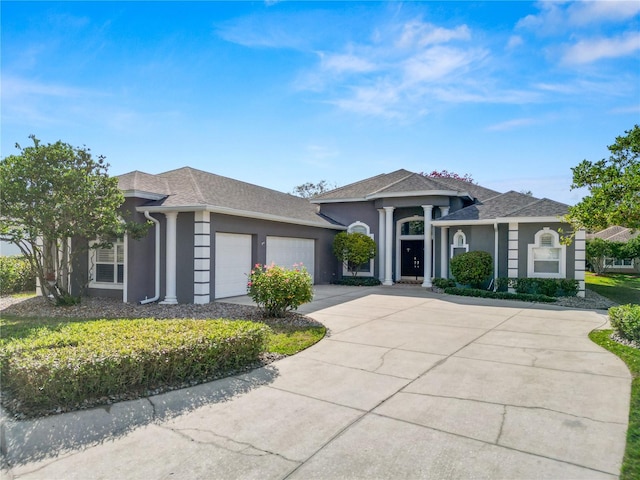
(526, 236)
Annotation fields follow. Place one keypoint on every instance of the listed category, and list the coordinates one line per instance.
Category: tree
(354, 249)
(309, 189)
(447, 174)
(50, 194)
(614, 187)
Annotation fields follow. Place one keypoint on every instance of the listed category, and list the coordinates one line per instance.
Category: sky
(280, 93)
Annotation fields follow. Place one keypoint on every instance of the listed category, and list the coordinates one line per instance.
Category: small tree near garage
(353, 250)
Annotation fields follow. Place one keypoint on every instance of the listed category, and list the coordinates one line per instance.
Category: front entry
(412, 258)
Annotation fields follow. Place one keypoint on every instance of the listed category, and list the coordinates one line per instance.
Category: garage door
(233, 264)
(287, 251)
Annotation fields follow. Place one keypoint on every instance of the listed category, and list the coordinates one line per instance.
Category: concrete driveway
(406, 385)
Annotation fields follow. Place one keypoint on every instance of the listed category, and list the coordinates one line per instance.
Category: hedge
(551, 287)
(625, 319)
(476, 292)
(62, 366)
(16, 275)
(358, 281)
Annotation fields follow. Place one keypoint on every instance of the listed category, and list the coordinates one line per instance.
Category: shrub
(551, 287)
(443, 282)
(625, 319)
(16, 275)
(62, 366)
(472, 268)
(358, 281)
(354, 249)
(276, 289)
(476, 292)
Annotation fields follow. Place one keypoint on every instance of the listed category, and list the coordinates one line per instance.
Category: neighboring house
(8, 249)
(618, 234)
(210, 230)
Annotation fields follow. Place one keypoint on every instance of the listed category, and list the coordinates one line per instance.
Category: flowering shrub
(276, 289)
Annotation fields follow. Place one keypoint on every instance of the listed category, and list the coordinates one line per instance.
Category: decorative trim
(202, 258)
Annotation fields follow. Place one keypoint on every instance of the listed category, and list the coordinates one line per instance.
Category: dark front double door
(412, 258)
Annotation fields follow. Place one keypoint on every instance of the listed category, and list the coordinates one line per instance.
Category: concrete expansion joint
(502, 422)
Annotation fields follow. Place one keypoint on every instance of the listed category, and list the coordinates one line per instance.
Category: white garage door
(233, 264)
(287, 251)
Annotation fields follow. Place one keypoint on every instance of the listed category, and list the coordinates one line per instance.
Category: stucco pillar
(512, 258)
(381, 244)
(202, 258)
(580, 256)
(428, 248)
(388, 242)
(170, 297)
(444, 246)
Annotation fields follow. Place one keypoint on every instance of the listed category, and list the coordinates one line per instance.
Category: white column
(512, 258)
(444, 246)
(444, 252)
(202, 258)
(381, 244)
(388, 242)
(170, 297)
(579, 265)
(428, 248)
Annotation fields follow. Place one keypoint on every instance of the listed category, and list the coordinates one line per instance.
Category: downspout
(157, 286)
(495, 256)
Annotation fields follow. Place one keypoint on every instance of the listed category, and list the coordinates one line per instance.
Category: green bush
(358, 281)
(625, 319)
(443, 282)
(16, 275)
(354, 250)
(476, 292)
(276, 289)
(472, 268)
(62, 366)
(551, 287)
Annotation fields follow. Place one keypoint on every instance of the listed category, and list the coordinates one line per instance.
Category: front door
(412, 258)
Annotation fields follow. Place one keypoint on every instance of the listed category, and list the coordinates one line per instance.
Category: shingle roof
(188, 187)
(476, 191)
(615, 234)
(137, 181)
(398, 182)
(509, 204)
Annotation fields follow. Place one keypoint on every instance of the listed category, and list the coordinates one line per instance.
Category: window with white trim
(546, 256)
(106, 266)
(459, 244)
(366, 269)
(619, 262)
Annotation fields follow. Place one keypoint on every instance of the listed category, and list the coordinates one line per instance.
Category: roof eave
(133, 193)
(491, 221)
(374, 196)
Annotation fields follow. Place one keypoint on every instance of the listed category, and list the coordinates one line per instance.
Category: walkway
(406, 385)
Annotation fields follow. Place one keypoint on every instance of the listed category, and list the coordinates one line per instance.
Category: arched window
(459, 244)
(546, 256)
(366, 269)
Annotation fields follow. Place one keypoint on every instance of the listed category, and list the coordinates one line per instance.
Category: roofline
(237, 213)
(374, 196)
(491, 221)
(143, 194)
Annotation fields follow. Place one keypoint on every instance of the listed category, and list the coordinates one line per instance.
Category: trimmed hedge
(476, 292)
(443, 282)
(63, 366)
(625, 319)
(16, 275)
(472, 268)
(551, 287)
(358, 281)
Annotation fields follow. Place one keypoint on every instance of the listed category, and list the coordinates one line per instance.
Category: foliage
(276, 289)
(551, 287)
(443, 282)
(477, 292)
(625, 319)
(288, 340)
(614, 187)
(63, 365)
(447, 174)
(16, 275)
(617, 287)
(354, 249)
(472, 268)
(358, 281)
(631, 356)
(310, 189)
(50, 194)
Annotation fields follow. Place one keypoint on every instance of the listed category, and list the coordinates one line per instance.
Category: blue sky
(280, 93)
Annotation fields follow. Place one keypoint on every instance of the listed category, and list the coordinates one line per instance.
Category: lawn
(631, 356)
(619, 287)
(51, 364)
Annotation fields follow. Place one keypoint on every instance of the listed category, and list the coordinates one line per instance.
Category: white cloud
(438, 63)
(591, 50)
(418, 33)
(510, 124)
(514, 41)
(345, 63)
(586, 12)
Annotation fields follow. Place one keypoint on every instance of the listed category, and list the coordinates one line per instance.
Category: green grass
(631, 356)
(291, 340)
(618, 287)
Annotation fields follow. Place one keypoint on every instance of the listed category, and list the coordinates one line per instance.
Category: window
(366, 269)
(619, 262)
(107, 266)
(412, 227)
(546, 257)
(459, 245)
